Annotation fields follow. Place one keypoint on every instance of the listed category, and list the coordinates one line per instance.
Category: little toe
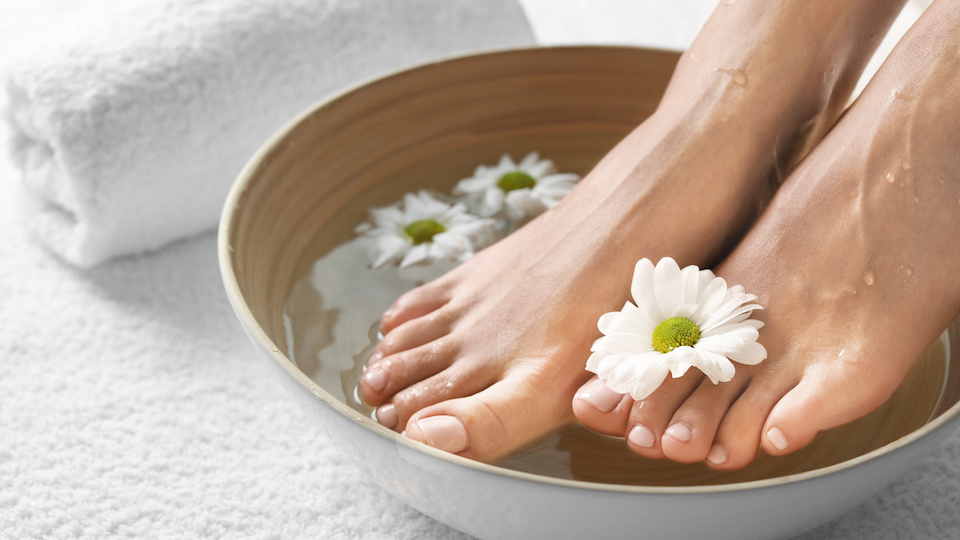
(690, 435)
(649, 417)
(415, 303)
(391, 374)
(493, 423)
(601, 409)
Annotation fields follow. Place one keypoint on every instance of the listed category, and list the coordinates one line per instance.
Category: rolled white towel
(130, 132)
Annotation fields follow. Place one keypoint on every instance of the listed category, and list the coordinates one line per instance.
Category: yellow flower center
(423, 230)
(675, 332)
(515, 180)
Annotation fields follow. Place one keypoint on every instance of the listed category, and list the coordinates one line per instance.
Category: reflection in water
(332, 318)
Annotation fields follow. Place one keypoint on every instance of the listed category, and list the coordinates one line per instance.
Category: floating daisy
(682, 319)
(423, 228)
(518, 190)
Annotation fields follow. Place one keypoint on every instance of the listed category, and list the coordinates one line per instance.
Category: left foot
(855, 263)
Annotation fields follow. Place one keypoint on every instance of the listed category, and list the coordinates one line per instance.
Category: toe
(649, 417)
(414, 333)
(737, 440)
(800, 414)
(386, 376)
(601, 409)
(415, 303)
(826, 397)
(690, 435)
(493, 423)
(459, 380)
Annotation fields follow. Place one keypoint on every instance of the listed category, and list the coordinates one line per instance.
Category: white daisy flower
(520, 190)
(682, 318)
(422, 229)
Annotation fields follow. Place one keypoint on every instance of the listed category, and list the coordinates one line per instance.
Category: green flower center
(423, 230)
(675, 332)
(515, 180)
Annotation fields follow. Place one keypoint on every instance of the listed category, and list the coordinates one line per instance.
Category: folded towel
(130, 132)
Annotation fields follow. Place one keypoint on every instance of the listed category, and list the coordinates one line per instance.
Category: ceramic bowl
(429, 126)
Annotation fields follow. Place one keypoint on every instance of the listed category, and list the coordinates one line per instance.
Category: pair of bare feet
(854, 259)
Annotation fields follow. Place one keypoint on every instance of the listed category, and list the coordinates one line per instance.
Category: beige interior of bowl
(428, 127)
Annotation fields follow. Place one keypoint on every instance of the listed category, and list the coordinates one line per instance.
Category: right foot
(855, 263)
(488, 357)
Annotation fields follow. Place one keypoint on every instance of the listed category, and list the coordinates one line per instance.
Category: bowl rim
(267, 346)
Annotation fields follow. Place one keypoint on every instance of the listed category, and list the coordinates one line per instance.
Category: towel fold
(129, 133)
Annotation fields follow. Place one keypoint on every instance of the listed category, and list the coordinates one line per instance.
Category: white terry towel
(130, 132)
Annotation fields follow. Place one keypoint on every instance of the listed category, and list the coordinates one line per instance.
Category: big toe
(491, 424)
(821, 401)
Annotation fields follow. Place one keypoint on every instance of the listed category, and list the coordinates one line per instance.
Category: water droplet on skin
(906, 271)
(870, 277)
(891, 178)
(738, 76)
(906, 166)
(901, 96)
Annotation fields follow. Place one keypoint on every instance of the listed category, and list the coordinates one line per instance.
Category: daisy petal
(710, 299)
(625, 344)
(668, 285)
(609, 322)
(685, 311)
(415, 255)
(751, 354)
(391, 249)
(642, 388)
(720, 344)
(737, 315)
(716, 367)
(691, 285)
(530, 160)
(642, 289)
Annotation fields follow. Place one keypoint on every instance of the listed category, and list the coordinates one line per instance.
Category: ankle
(788, 76)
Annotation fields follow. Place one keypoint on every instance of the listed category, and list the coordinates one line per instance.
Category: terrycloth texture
(133, 406)
(131, 131)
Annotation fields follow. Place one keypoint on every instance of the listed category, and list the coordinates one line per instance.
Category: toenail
(387, 416)
(641, 436)
(444, 432)
(717, 456)
(599, 396)
(679, 432)
(375, 379)
(777, 437)
(376, 357)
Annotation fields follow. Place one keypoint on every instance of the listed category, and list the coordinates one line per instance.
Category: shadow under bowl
(429, 126)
